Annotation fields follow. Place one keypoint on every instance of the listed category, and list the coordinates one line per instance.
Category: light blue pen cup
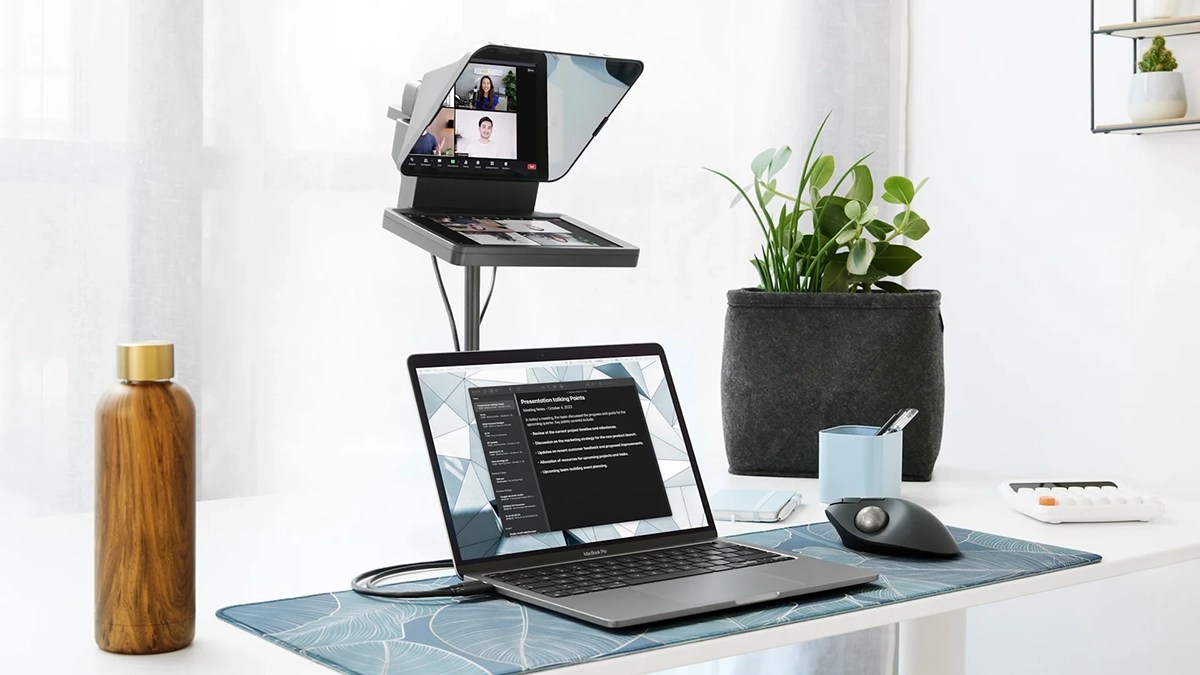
(854, 462)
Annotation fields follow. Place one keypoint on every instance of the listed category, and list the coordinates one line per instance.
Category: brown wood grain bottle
(145, 506)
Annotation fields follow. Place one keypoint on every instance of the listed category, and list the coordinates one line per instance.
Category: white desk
(262, 548)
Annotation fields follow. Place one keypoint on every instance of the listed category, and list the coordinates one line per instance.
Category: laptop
(568, 482)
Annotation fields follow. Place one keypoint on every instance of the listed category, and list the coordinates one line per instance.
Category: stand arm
(471, 316)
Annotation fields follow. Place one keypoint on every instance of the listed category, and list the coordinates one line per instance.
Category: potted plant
(1157, 9)
(510, 89)
(1156, 92)
(829, 337)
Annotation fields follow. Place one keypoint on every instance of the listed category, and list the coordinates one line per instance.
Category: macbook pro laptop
(568, 482)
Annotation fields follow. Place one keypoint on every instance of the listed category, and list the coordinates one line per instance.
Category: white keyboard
(1079, 501)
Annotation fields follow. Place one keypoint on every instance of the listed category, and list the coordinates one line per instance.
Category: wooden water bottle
(145, 506)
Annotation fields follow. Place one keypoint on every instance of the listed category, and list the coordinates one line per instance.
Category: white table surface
(261, 548)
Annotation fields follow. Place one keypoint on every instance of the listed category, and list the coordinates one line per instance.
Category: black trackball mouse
(890, 526)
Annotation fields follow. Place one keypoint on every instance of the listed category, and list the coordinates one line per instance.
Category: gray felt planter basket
(796, 363)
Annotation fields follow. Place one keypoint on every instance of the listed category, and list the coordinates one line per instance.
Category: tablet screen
(507, 231)
(480, 130)
(514, 114)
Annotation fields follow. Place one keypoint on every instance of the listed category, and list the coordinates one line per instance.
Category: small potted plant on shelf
(1156, 91)
(1157, 9)
(830, 336)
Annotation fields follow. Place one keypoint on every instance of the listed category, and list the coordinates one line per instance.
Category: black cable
(437, 270)
(488, 301)
(366, 583)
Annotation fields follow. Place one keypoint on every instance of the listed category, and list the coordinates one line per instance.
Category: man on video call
(485, 145)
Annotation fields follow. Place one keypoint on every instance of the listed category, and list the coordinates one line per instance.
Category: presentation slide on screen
(558, 453)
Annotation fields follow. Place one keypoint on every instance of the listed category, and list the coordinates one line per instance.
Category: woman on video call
(486, 98)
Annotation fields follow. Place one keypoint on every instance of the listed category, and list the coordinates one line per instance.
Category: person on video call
(427, 144)
(484, 146)
(486, 97)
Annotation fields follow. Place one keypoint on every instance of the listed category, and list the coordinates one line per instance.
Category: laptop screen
(537, 455)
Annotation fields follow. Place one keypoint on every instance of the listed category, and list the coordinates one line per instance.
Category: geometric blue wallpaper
(464, 472)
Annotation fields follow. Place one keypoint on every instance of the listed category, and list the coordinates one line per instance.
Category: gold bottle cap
(146, 361)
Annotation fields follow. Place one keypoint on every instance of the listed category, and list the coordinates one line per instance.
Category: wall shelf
(1139, 30)
(1185, 25)
(1158, 127)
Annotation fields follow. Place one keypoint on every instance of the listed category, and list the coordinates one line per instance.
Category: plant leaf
(835, 279)
(846, 236)
(916, 229)
(863, 188)
(763, 277)
(822, 171)
(878, 229)
(769, 195)
(761, 225)
(737, 199)
(890, 287)
(806, 174)
(778, 161)
(873, 275)
(900, 188)
(853, 210)
(832, 215)
(920, 185)
(887, 197)
(862, 252)
(760, 163)
(896, 260)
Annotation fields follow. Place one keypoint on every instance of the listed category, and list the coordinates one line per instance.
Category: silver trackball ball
(870, 519)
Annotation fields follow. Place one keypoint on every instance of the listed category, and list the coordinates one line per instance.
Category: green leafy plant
(1158, 58)
(820, 241)
(510, 89)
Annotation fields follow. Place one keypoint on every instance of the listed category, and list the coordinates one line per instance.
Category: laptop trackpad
(744, 586)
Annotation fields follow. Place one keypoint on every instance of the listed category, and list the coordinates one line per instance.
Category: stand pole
(471, 307)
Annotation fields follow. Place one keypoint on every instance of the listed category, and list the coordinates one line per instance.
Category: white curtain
(213, 173)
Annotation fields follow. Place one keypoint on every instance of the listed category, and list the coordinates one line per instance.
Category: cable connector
(367, 582)
(470, 588)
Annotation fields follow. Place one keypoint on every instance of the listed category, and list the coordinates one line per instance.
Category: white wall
(1066, 263)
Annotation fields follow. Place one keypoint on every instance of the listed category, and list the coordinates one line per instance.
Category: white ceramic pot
(1157, 96)
(1157, 9)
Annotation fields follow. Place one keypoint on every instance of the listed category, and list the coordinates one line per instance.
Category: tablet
(531, 239)
(511, 231)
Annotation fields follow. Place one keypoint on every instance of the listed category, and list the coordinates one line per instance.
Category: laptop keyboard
(589, 576)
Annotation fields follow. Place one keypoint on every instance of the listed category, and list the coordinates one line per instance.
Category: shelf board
(1159, 127)
(1180, 25)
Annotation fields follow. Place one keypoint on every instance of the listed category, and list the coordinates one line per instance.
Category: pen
(897, 421)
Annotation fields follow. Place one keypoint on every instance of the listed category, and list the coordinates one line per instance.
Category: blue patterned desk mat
(490, 634)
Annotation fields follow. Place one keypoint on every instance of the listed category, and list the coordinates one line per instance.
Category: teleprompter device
(473, 141)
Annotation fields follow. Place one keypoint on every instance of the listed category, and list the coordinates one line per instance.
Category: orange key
(1047, 501)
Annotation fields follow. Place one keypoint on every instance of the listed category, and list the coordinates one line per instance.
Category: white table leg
(934, 645)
